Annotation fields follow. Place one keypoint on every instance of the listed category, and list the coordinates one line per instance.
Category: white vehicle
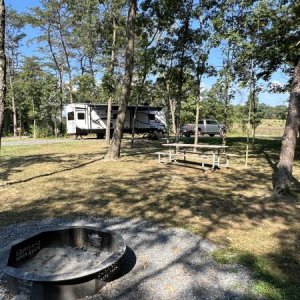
(85, 118)
(206, 126)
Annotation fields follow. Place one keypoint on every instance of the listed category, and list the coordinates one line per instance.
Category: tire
(211, 135)
(187, 135)
(100, 136)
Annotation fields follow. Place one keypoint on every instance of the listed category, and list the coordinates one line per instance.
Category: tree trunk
(60, 73)
(168, 112)
(248, 129)
(13, 99)
(227, 62)
(34, 128)
(115, 146)
(197, 123)
(182, 65)
(134, 121)
(34, 120)
(82, 68)
(64, 45)
(173, 117)
(253, 134)
(2, 66)
(112, 67)
(55, 127)
(288, 146)
(253, 104)
(91, 68)
(197, 110)
(141, 88)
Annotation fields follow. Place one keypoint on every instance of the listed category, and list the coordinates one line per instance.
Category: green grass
(268, 281)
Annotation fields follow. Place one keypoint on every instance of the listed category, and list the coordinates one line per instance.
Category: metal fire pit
(60, 285)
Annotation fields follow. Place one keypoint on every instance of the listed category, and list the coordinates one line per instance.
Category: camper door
(71, 128)
(81, 118)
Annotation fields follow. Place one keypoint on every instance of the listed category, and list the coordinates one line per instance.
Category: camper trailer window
(71, 116)
(80, 116)
(151, 117)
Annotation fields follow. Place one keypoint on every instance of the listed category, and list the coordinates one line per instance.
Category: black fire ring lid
(71, 276)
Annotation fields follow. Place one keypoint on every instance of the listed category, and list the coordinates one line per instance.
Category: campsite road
(28, 141)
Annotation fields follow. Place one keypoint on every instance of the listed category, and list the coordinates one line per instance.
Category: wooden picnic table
(216, 150)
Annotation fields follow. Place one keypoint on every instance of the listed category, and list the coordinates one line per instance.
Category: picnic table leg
(202, 158)
(175, 152)
(219, 158)
(214, 159)
(170, 156)
(227, 161)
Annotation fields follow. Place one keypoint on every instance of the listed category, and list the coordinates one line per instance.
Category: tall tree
(31, 89)
(174, 51)
(278, 47)
(115, 146)
(112, 31)
(87, 33)
(145, 55)
(55, 22)
(287, 153)
(184, 36)
(2, 66)
(205, 39)
(42, 18)
(13, 37)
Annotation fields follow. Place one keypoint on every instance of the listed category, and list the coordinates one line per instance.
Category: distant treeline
(274, 112)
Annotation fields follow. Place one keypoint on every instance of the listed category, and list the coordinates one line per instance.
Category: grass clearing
(267, 128)
(229, 206)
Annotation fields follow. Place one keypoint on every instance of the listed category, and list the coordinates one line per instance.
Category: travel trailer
(85, 118)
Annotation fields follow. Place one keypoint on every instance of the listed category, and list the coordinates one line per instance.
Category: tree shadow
(206, 203)
(52, 173)
(15, 165)
(272, 160)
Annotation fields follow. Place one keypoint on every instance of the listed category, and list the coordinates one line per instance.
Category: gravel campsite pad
(164, 263)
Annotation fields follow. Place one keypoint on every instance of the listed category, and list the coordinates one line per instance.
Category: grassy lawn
(230, 207)
(267, 127)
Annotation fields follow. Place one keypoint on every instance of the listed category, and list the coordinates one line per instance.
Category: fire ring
(63, 263)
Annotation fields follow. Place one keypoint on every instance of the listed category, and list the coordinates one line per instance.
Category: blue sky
(31, 48)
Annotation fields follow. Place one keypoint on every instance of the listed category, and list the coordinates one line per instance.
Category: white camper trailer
(85, 118)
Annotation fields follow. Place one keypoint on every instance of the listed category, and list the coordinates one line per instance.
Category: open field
(230, 207)
(267, 127)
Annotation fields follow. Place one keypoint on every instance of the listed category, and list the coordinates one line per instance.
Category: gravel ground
(165, 263)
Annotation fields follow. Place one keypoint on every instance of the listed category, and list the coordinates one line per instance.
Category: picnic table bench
(216, 151)
(171, 156)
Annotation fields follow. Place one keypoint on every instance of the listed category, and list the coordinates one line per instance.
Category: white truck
(206, 126)
(84, 118)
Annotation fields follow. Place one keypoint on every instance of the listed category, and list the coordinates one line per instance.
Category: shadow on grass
(217, 200)
(51, 173)
(272, 160)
